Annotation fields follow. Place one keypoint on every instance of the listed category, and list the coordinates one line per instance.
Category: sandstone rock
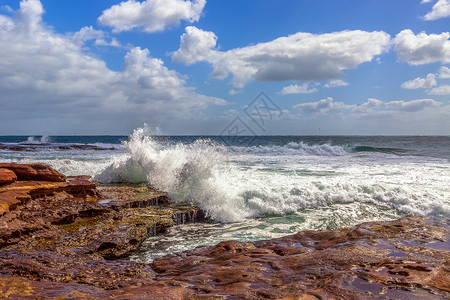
(34, 172)
(403, 259)
(63, 240)
(7, 176)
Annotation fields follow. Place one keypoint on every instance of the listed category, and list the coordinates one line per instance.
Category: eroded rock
(68, 240)
(7, 176)
(34, 172)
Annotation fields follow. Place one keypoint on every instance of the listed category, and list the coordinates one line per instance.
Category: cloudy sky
(193, 67)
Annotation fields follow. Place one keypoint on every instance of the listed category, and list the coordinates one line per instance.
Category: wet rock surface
(70, 240)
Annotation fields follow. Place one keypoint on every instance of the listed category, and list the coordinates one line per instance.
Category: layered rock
(7, 176)
(68, 240)
(34, 172)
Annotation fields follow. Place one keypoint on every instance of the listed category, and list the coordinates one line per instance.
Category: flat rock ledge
(69, 239)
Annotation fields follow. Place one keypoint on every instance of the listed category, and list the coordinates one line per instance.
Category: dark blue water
(433, 146)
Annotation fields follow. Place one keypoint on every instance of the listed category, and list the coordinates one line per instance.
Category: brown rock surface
(404, 259)
(34, 172)
(7, 176)
(68, 240)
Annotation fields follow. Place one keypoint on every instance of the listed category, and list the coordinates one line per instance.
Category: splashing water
(272, 180)
(187, 172)
(45, 139)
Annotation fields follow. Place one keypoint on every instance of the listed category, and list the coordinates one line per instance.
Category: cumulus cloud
(368, 106)
(195, 45)
(440, 10)
(441, 90)
(420, 83)
(100, 38)
(322, 106)
(301, 56)
(335, 83)
(112, 43)
(151, 15)
(372, 106)
(411, 106)
(48, 75)
(298, 89)
(422, 48)
(444, 72)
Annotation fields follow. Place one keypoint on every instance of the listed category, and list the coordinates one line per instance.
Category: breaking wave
(45, 139)
(230, 188)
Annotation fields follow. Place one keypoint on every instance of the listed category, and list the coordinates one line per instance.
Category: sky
(209, 67)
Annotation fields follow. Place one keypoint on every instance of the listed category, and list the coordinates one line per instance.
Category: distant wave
(45, 139)
(396, 151)
(302, 148)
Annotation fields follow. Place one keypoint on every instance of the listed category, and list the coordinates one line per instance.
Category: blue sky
(192, 67)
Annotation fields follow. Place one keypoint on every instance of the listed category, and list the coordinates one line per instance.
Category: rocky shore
(68, 238)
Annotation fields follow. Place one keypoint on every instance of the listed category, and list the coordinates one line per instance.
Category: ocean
(258, 187)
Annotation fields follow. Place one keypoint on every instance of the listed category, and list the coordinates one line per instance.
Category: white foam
(45, 139)
(235, 186)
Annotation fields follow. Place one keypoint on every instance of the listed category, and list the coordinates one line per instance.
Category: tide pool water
(259, 188)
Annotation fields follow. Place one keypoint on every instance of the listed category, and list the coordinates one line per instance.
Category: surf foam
(232, 187)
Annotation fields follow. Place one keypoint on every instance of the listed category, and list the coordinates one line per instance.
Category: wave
(228, 190)
(45, 139)
(294, 148)
(305, 149)
(396, 151)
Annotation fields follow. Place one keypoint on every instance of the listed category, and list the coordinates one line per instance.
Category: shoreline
(67, 237)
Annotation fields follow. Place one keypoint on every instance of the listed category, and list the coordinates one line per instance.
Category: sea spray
(45, 139)
(187, 172)
(233, 185)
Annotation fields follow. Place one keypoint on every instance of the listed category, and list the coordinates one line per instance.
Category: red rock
(34, 172)
(7, 176)
(58, 241)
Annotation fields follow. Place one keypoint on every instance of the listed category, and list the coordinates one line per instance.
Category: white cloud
(371, 107)
(48, 75)
(444, 72)
(151, 15)
(301, 56)
(411, 106)
(88, 33)
(440, 10)
(112, 43)
(298, 89)
(368, 106)
(322, 106)
(441, 90)
(195, 45)
(422, 48)
(335, 83)
(426, 1)
(420, 83)
(233, 92)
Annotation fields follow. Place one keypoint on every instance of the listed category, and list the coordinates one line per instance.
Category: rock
(69, 240)
(34, 172)
(7, 176)
(403, 259)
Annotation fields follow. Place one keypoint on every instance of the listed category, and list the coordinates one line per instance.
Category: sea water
(258, 187)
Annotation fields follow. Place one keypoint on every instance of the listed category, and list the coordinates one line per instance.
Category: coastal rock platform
(68, 238)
